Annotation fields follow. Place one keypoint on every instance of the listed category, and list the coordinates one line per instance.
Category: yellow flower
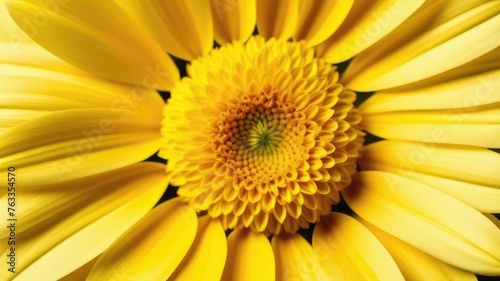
(263, 136)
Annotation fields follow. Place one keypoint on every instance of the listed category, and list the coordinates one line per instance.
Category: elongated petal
(477, 125)
(233, 19)
(467, 173)
(448, 41)
(46, 202)
(453, 8)
(28, 92)
(152, 248)
(249, 257)
(182, 28)
(348, 251)
(98, 37)
(366, 23)
(295, 259)
(31, 54)
(318, 19)
(488, 62)
(81, 273)
(414, 26)
(415, 264)
(494, 219)
(9, 31)
(277, 18)
(428, 219)
(70, 144)
(17, 48)
(70, 238)
(480, 89)
(210, 242)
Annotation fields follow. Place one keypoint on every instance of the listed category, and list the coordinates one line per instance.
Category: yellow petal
(366, 23)
(467, 173)
(182, 28)
(494, 219)
(453, 8)
(45, 202)
(152, 248)
(428, 219)
(31, 54)
(70, 238)
(27, 92)
(233, 19)
(415, 264)
(277, 18)
(249, 257)
(445, 43)
(81, 273)
(210, 242)
(488, 62)
(478, 125)
(348, 251)
(9, 31)
(474, 90)
(295, 259)
(98, 37)
(17, 48)
(70, 144)
(318, 19)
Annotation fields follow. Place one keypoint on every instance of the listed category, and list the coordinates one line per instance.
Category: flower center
(261, 135)
(259, 140)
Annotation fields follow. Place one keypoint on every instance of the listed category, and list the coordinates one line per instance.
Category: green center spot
(263, 138)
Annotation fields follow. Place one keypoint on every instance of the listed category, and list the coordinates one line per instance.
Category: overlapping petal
(249, 257)
(28, 92)
(415, 51)
(31, 54)
(81, 273)
(182, 28)
(152, 248)
(295, 259)
(318, 19)
(207, 256)
(415, 264)
(18, 48)
(472, 90)
(348, 251)
(63, 226)
(460, 111)
(233, 19)
(367, 22)
(428, 219)
(65, 125)
(70, 144)
(488, 62)
(475, 125)
(9, 31)
(277, 18)
(45, 202)
(494, 219)
(98, 37)
(467, 173)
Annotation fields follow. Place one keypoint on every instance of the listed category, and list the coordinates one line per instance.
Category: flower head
(261, 135)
